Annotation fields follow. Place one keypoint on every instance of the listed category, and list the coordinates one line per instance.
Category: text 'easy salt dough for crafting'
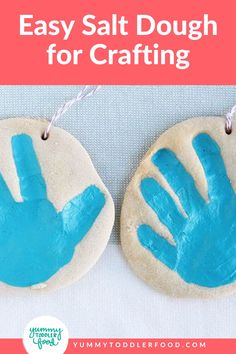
(178, 221)
(56, 215)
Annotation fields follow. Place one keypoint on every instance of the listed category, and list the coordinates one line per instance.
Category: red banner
(110, 346)
(117, 42)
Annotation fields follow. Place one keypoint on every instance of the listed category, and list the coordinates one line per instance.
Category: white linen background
(117, 126)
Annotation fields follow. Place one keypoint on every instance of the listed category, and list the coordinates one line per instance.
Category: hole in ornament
(228, 130)
(44, 136)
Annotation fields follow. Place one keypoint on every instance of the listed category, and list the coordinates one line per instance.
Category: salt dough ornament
(178, 220)
(56, 215)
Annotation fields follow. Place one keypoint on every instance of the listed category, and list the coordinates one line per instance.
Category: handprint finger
(32, 184)
(179, 179)
(80, 213)
(157, 245)
(210, 157)
(5, 194)
(163, 205)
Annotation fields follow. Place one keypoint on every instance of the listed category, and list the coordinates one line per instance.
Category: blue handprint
(35, 239)
(205, 241)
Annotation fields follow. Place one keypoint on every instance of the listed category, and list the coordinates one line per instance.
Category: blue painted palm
(205, 241)
(35, 239)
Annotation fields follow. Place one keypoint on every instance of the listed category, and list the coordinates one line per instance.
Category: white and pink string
(87, 91)
(229, 120)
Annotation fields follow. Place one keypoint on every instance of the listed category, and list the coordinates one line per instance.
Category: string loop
(85, 92)
(229, 120)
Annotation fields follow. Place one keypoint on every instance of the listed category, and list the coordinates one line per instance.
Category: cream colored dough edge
(68, 170)
(135, 211)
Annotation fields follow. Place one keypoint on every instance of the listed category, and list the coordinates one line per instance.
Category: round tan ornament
(56, 215)
(178, 222)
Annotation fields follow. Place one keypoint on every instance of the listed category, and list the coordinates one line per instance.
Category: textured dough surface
(68, 170)
(135, 211)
